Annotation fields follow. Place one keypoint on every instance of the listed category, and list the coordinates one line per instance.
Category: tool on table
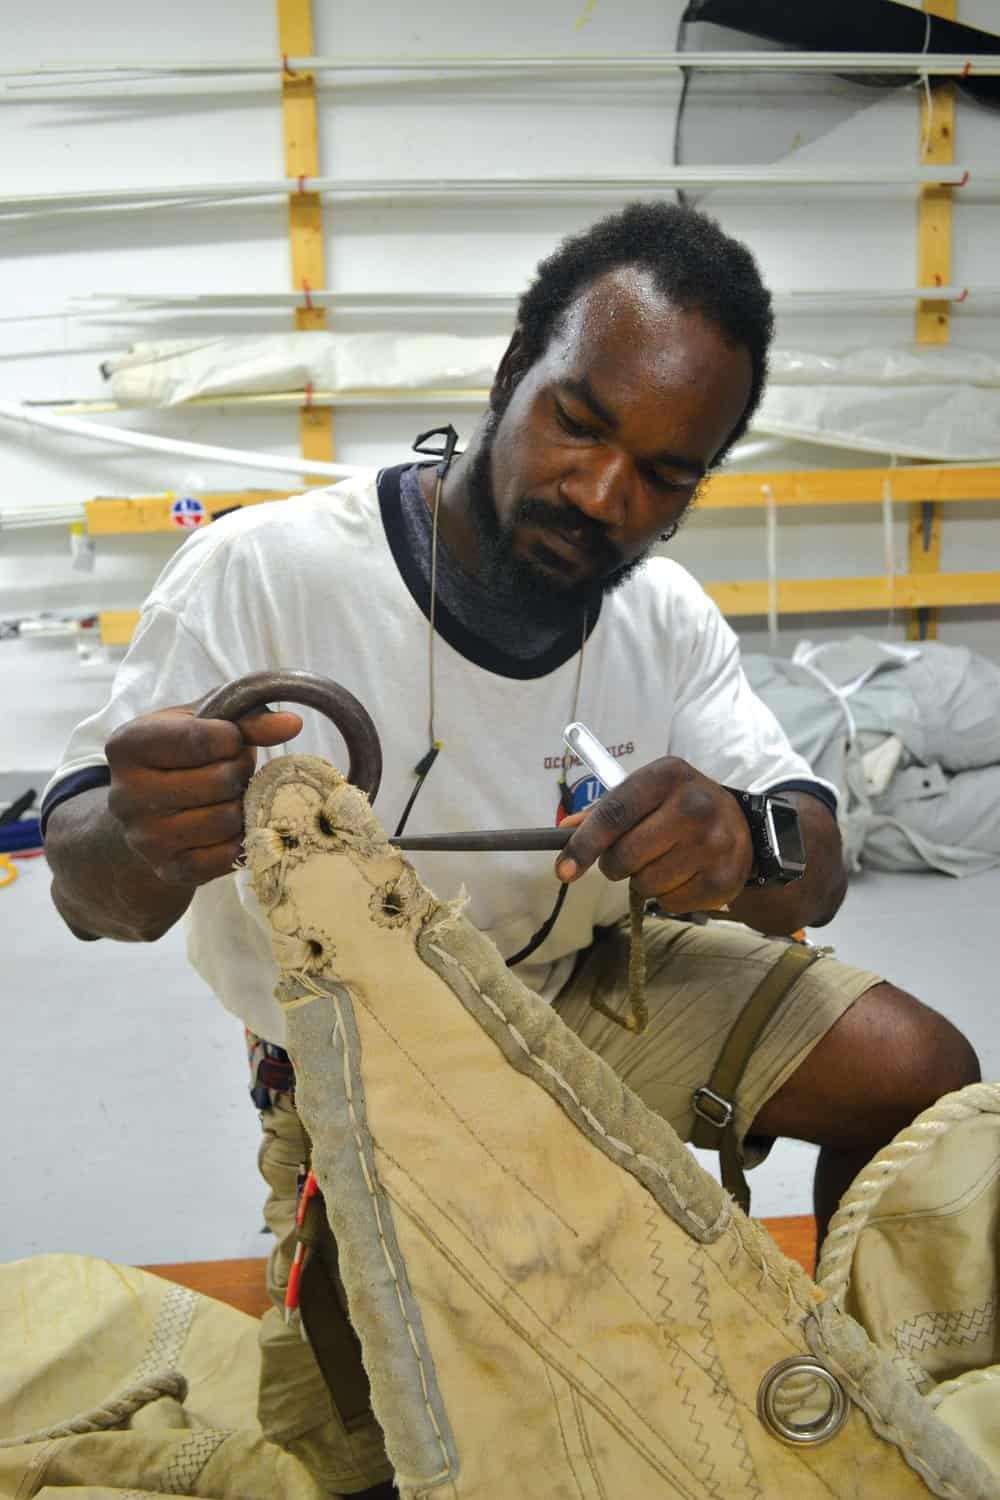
(20, 837)
(19, 805)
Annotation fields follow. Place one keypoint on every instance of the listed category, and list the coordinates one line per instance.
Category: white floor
(131, 1134)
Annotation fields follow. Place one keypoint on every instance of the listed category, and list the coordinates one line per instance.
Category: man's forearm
(816, 898)
(100, 887)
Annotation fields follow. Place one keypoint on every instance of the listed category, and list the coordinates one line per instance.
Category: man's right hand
(177, 785)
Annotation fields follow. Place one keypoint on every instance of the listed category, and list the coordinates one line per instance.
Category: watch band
(772, 865)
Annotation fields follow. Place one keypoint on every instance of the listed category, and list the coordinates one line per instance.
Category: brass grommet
(800, 1387)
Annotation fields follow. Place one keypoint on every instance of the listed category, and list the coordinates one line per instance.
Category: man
(476, 612)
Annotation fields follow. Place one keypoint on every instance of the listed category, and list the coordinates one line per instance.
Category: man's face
(603, 443)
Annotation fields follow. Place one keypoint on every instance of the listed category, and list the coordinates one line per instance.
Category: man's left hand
(680, 837)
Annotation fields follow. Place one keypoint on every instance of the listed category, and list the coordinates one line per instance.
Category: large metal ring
(778, 1400)
(364, 750)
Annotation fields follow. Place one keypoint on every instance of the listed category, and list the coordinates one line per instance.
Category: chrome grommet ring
(801, 1403)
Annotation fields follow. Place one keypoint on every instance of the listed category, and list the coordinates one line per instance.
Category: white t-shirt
(315, 583)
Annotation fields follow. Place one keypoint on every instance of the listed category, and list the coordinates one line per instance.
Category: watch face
(787, 836)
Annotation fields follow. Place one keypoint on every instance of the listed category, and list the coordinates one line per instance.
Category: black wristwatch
(779, 854)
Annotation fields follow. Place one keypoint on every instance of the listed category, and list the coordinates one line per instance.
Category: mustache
(574, 525)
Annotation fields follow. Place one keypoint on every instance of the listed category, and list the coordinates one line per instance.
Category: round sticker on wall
(187, 512)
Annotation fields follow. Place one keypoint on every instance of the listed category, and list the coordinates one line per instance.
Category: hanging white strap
(928, 93)
(888, 537)
(804, 656)
(771, 514)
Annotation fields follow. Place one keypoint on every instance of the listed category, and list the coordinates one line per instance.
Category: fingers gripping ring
(364, 750)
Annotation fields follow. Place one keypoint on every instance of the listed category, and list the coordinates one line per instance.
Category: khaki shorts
(698, 979)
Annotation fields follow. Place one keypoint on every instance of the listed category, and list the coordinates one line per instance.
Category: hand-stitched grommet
(319, 950)
(801, 1403)
(397, 902)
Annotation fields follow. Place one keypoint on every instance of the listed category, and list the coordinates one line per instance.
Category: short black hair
(693, 263)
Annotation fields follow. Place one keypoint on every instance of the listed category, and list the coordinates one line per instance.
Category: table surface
(241, 1282)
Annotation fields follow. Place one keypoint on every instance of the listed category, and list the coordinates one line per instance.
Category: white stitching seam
(340, 1036)
(592, 1121)
(446, 957)
(886, 1426)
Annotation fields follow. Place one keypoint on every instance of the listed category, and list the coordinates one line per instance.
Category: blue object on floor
(16, 838)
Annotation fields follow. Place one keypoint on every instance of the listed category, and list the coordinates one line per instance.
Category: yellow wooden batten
(916, 482)
(933, 319)
(108, 516)
(305, 209)
(817, 596)
(915, 485)
(934, 229)
(796, 596)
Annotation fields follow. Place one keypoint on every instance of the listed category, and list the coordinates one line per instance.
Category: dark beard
(538, 592)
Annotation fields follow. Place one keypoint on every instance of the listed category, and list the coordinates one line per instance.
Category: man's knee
(884, 1061)
(924, 1055)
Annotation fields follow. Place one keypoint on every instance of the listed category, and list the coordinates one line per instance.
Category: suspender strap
(714, 1103)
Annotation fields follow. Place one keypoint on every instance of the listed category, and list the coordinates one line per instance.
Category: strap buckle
(712, 1108)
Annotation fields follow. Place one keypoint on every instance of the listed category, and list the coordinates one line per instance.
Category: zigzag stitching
(913, 1373)
(180, 1473)
(712, 1363)
(929, 1329)
(701, 1462)
(747, 1465)
(723, 1395)
(712, 1367)
(656, 1262)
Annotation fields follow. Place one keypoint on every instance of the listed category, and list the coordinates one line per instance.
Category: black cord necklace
(445, 453)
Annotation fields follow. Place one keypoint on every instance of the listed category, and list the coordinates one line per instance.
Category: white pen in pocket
(585, 744)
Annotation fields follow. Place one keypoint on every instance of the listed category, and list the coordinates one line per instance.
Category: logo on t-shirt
(187, 512)
(580, 795)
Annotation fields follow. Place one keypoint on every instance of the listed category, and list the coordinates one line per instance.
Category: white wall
(75, 138)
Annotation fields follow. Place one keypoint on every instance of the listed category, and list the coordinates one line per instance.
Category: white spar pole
(950, 64)
(13, 411)
(27, 205)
